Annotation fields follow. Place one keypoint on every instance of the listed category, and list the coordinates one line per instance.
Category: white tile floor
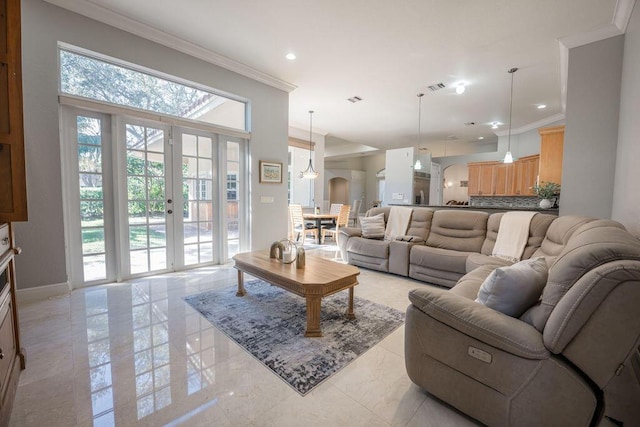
(135, 354)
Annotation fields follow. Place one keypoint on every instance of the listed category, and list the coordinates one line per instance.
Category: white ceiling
(386, 52)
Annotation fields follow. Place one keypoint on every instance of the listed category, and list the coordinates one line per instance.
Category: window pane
(89, 158)
(103, 81)
(93, 240)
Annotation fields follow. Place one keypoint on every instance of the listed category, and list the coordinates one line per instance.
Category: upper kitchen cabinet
(551, 142)
(13, 184)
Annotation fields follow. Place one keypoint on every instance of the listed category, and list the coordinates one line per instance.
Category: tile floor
(135, 354)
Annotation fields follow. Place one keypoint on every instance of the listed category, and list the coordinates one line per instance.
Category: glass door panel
(92, 222)
(197, 190)
(148, 202)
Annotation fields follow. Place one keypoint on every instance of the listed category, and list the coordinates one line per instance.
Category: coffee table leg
(241, 292)
(350, 314)
(313, 317)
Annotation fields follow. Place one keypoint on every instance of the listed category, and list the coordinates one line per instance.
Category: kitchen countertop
(490, 209)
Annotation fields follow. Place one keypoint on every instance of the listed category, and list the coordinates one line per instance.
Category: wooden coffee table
(320, 278)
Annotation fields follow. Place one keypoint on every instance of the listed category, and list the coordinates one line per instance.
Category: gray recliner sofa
(566, 361)
(556, 365)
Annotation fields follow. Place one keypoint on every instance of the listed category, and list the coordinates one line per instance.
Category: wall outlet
(397, 196)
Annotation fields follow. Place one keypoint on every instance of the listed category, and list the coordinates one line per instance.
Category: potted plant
(546, 191)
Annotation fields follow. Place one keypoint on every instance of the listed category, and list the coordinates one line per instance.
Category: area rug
(270, 323)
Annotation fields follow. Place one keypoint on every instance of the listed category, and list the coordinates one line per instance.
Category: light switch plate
(397, 196)
(266, 199)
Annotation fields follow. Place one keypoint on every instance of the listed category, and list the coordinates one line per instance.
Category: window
(88, 77)
(232, 187)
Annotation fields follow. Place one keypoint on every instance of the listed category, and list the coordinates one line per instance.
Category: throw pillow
(372, 226)
(513, 289)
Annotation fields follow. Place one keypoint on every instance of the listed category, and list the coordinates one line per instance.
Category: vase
(545, 203)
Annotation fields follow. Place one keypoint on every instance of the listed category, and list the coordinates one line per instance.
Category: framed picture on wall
(270, 172)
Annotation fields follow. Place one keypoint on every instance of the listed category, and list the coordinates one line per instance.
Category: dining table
(318, 218)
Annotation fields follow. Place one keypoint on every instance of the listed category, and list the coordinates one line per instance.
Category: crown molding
(622, 14)
(145, 31)
(531, 126)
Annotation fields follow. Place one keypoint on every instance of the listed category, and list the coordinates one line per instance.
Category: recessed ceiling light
(481, 137)
(460, 88)
(290, 56)
(494, 125)
(541, 106)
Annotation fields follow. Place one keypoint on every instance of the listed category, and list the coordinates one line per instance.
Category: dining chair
(333, 210)
(342, 221)
(298, 224)
(355, 210)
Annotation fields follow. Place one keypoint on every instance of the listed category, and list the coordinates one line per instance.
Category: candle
(287, 257)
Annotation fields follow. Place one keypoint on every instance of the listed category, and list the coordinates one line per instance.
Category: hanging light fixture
(508, 158)
(309, 172)
(418, 165)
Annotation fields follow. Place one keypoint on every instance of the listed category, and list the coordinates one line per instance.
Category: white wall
(399, 176)
(626, 197)
(591, 132)
(43, 25)
(372, 164)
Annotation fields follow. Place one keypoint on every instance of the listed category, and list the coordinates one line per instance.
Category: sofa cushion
(592, 244)
(513, 289)
(458, 231)
(478, 260)
(439, 259)
(540, 223)
(558, 235)
(373, 226)
(470, 283)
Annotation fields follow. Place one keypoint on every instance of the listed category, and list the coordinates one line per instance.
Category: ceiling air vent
(354, 99)
(470, 123)
(436, 87)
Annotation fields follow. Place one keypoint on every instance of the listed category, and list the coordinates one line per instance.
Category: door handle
(169, 201)
(170, 211)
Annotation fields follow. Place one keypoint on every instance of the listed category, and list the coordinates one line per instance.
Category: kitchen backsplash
(504, 202)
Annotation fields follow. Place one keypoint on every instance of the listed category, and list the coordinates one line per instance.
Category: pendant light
(508, 158)
(418, 165)
(309, 172)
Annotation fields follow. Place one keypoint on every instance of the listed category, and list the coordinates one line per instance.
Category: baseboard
(40, 293)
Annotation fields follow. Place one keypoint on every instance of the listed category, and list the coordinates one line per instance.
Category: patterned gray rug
(270, 323)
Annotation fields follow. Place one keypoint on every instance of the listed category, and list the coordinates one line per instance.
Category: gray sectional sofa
(566, 360)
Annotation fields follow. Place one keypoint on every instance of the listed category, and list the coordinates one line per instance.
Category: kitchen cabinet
(13, 183)
(551, 150)
(481, 179)
(525, 175)
(503, 179)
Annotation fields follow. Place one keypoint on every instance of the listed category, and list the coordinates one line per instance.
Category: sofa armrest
(413, 239)
(480, 322)
(351, 232)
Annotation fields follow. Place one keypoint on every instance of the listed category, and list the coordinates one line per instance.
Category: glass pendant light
(309, 172)
(418, 164)
(508, 158)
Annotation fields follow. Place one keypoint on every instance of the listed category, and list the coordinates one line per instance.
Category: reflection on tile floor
(135, 354)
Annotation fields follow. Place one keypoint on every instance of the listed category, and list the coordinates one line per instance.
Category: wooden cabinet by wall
(473, 186)
(13, 187)
(12, 359)
(525, 175)
(503, 179)
(551, 150)
(481, 179)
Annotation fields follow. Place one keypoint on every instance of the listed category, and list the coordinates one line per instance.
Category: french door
(143, 197)
(146, 196)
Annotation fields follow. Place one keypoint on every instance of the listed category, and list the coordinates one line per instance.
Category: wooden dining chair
(342, 221)
(298, 224)
(355, 211)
